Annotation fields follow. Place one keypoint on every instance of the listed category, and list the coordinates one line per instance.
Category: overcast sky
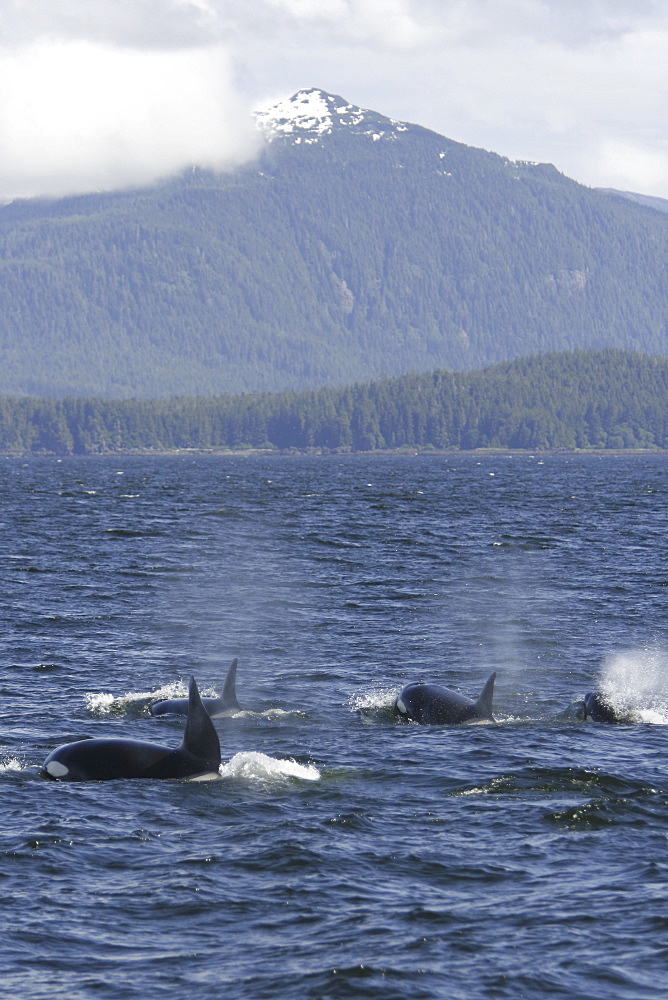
(102, 93)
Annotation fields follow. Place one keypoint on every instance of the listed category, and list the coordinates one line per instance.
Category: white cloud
(627, 166)
(141, 24)
(530, 79)
(389, 23)
(77, 115)
(95, 93)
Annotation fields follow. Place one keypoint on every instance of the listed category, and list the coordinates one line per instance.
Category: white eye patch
(56, 769)
(401, 706)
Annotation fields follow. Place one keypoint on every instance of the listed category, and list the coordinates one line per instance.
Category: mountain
(354, 247)
(660, 204)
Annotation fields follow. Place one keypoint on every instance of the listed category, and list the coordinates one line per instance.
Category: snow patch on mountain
(310, 114)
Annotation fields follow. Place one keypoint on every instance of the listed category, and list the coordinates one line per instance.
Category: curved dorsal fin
(200, 738)
(484, 702)
(229, 694)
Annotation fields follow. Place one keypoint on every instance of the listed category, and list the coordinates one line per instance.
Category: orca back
(214, 706)
(106, 759)
(598, 708)
(431, 704)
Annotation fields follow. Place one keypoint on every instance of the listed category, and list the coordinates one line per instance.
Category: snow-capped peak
(310, 114)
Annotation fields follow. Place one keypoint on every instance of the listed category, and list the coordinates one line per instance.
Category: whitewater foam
(106, 703)
(374, 700)
(11, 764)
(255, 766)
(635, 683)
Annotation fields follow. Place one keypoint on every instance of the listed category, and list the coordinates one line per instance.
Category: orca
(598, 708)
(225, 705)
(106, 759)
(430, 704)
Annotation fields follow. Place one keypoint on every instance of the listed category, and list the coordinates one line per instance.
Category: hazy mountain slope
(355, 247)
(659, 204)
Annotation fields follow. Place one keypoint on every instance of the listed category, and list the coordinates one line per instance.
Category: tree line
(575, 400)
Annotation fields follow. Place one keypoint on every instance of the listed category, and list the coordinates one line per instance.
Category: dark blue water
(342, 853)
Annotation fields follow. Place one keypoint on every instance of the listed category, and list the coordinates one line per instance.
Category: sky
(101, 94)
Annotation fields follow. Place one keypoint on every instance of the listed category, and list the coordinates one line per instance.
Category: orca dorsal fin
(484, 702)
(229, 694)
(200, 738)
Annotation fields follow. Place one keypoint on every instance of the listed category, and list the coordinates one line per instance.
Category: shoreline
(408, 452)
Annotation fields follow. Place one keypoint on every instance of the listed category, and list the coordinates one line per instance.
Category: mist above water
(635, 683)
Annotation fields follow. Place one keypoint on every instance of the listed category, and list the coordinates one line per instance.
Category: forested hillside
(592, 399)
(373, 250)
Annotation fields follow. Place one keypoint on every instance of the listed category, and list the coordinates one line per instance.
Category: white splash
(105, 703)
(267, 713)
(255, 766)
(11, 764)
(635, 682)
(99, 703)
(376, 698)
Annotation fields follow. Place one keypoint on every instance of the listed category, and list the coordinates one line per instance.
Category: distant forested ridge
(375, 249)
(582, 399)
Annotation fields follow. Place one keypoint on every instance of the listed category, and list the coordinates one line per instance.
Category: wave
(255, 766)
(103, 703)
(375, 700)
(635, 683)
(12, 764)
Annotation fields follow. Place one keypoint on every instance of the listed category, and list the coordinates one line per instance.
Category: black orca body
(430, 704)
(598, 708)
(216, 707)
(106, 759)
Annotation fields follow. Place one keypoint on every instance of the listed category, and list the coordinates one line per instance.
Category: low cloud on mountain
(97, 94)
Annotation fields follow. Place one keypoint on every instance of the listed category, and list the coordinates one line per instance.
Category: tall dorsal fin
(200, 738)
(484, 702)
(229, 695)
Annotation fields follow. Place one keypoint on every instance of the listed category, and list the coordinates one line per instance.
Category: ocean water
(341, 852)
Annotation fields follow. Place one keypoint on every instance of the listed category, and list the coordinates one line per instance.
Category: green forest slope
(592, 399)
(321, 264)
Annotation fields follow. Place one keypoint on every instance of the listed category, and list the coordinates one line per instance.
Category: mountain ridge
(335, 256)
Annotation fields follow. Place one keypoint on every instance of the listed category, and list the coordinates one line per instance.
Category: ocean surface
(342, 852)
